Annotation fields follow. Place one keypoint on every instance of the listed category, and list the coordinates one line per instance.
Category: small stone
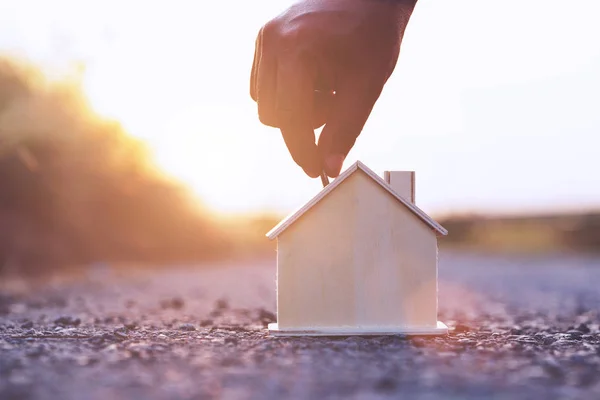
(175, 303)
(562, 343)
(563, 336)
(27, 325)
(461, 328)
(120, 333)
(575, 334)
(266, 317)
(66, 320)
(583, 328)
(548, 340)
(187, 327)
(222, 304)
(131, 325)
(206, 322)
(111, 348)
(526, 339)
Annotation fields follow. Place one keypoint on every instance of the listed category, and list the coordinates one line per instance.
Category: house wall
(357, 258)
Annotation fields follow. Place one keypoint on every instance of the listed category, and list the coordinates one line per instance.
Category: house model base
(440, 329)
(358, 259)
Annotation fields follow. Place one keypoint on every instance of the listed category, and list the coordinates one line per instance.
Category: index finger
(355, 99)
(295, 96)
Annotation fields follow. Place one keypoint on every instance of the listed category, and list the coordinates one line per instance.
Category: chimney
(403, 183)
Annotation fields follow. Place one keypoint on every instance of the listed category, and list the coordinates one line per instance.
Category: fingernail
(333, 164)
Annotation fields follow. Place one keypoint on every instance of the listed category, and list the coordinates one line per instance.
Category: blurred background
(127, 133)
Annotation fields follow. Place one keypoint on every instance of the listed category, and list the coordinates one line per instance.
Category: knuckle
(285, 32)
(290, 35)
(269, 31)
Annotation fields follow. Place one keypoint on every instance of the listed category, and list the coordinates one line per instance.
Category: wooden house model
(360, 258)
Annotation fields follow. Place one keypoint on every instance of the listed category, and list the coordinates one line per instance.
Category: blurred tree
(77, 189)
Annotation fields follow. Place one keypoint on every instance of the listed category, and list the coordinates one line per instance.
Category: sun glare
(176, 79)
(172, 138)
(197, 143)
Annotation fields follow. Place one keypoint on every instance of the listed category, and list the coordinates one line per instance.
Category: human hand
(325, 62)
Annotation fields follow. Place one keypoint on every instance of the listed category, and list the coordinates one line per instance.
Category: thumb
(354, 101)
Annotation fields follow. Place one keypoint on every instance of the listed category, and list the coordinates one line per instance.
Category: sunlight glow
(490, 117)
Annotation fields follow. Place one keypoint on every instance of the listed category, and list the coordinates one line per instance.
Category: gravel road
(525, 327)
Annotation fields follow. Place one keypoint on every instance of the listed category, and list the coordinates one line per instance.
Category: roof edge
(411, 206)
(292, 217)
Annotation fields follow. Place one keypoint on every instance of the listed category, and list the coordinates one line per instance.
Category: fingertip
(303, 149)
(311, 172)
(311, 164)
(333, 164)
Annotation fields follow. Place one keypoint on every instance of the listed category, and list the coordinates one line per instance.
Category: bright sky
(495, 103)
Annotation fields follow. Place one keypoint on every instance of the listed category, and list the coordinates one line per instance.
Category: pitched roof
(289, 220)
